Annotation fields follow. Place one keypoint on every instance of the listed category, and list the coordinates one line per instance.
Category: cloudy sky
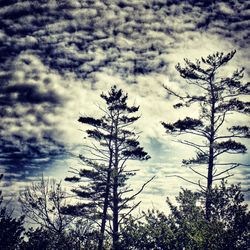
(58, 56)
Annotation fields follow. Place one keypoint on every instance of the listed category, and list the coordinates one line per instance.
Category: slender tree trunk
(211, 152)
(210, 174)
(107, 191)
(115, 233)
(209, 181)
(105, 208)
(210, 160)
(115, 213)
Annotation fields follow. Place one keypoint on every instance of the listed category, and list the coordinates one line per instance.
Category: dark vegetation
(101, 214)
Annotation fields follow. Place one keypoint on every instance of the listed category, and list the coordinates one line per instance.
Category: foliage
(43, 239)
(186, 226)
(39, 239)
(154, 232)
(11, 229)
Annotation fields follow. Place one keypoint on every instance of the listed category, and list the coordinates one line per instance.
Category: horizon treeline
(101, 215)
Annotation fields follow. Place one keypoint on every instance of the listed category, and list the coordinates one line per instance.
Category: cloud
(28, 99)
(58, 56)
(140, 27)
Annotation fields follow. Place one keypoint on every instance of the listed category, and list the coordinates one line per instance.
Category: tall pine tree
(217, 97)
(105, 190)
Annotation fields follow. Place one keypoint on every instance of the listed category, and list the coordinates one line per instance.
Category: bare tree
(42, 202)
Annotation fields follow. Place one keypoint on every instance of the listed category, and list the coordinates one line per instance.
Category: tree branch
(141, 189)
(178, 176)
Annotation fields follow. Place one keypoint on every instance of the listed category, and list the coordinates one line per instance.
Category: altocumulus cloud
(58, 56)
(29, 99)
(127, 37)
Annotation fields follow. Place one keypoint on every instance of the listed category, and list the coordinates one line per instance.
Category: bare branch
(221, 123)
(223, 178)
(192, 182)
(198, 173)
(171, 92)
(129, 212)
(192, 144)
(141, 189)
(228, 169)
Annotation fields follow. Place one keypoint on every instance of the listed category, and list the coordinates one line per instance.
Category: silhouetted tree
(229, 225)
(153, 232)
(218, 97)
(38, 238)
(11, 229)
(186, 226)
(43, 203)
(43, 239)
(114, 143)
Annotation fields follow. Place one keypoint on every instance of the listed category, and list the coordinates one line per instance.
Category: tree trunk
(106, 196)
(105, 209)
(115, 213)
(210, 160)
(211, 152)
(115, 234)
(209, 181)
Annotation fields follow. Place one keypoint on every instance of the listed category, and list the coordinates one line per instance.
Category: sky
(57, 57)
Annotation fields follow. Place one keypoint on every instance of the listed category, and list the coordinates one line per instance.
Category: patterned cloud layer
(57, 57)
